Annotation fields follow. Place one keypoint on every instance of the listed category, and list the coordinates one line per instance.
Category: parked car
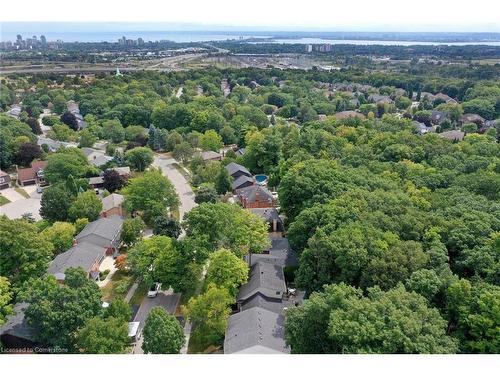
(153, 291)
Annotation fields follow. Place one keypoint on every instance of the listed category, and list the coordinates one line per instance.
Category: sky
(289, 15)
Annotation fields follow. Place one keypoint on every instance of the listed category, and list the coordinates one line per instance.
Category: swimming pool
(261, 179)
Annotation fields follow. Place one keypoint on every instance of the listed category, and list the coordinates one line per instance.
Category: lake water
(100, 35)
(373, 42)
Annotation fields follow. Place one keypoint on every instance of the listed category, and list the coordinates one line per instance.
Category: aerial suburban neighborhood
(249, 192)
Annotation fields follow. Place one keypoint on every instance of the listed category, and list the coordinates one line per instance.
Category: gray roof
(96, 180)
(255, 331)
(210, 155)
(265, 303)
(16, 325)
(122, 171)
(251, 193)
(100, 160)
(103, 232)
(233, 168)
(266, 279)
(438, 116)
(453, 135)
(268, 214)
(83, 255)
(280, 254)
(240, 181)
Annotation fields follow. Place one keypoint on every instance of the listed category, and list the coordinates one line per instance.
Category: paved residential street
(186, 195)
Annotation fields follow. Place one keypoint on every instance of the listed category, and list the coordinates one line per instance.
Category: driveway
(12, 195)
(166, 299)
(15, 210)
(186, 195)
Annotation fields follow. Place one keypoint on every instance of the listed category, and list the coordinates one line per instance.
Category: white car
(153, 291)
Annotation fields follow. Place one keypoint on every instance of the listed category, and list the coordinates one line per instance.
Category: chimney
(275, 225)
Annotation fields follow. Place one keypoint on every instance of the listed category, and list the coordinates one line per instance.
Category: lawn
(118, 286)
(139, 294)
(3, 200)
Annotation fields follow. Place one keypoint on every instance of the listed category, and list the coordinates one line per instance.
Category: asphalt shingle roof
(82, 255)
(266, 279)
(233, 168)
(255, 330)
(101, 232)
(240, 181)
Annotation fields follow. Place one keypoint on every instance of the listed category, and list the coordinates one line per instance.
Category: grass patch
(197, 345)
(118, 286)
(3, 200)
(139, 294)
(22, 192)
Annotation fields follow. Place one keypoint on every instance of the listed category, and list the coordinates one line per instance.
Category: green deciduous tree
(103, 336)
(226, 270)
(158, 259)
(57, 311)
(230, 226)
(139, 158)
(211, 140)
(162, 333)
(24, 254)
(342, 320)
(5, 299)
(131, 230)
(209, 313)
(60, 235)
(152, 194)
(86, 205)
(55, 203)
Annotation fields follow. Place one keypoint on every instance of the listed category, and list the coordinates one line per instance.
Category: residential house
(112, 205)
(86, 255)
(437, 117)
(236, 170)
(471, 118)
(347, 114)
(210, 156)
(380, 99)
(104, 232)
(16, 333)
(99, 239)
(447, 99)
(255, 196)
(266, 279)
(272, 218)
(122, 171)
(96, 182)
(423, 129)
(242, 182)
(96, 157)
(75, 110)
(14, 111)
(280, 253)
(453, 135)
(32, 175)
(256, 331)
(4, 180)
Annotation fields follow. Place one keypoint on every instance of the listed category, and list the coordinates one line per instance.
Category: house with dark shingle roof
(104, 232)
(265, 279)
(242, 182)
(256, 331)
(85, 255)
(453, 135)
(236, 170)
(437, 117)
(280, 253)
(255, 196)
(271, 217)
(16, 333)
